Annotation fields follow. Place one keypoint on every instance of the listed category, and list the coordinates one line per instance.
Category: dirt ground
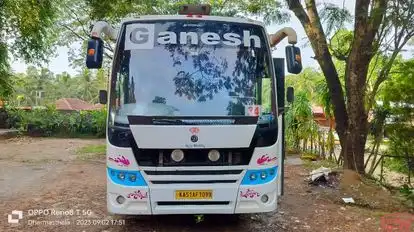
(39, 174)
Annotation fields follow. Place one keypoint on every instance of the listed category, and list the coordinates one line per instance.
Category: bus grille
(193, 176)
(173, 203)
(192, 157)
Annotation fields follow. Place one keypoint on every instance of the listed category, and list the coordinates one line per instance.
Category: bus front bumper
(160, 199)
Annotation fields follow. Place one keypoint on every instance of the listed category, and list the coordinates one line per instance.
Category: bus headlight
(121, 176)
(126, 178)
(177, 155)
(213, 155)
(259, 176)
(132, 177)
(253, 176)
(263, 175)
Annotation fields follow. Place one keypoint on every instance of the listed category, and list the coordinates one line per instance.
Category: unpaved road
(38, 174)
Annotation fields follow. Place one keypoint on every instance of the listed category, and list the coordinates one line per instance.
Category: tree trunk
(370, 155)
(351, 119)
(323, 145)
(312, 24)
(311, 143)
(374, 160)
(357, 64)
(297, 140)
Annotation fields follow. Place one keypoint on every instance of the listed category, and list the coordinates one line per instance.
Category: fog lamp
(120, 199)
(264, 198)
(214, 155)
(177, 155)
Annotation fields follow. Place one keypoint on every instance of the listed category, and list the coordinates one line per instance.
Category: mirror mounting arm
(102, 27)
(281, 34)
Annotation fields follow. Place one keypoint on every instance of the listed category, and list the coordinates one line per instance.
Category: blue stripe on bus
(128, 180)
(254, 177)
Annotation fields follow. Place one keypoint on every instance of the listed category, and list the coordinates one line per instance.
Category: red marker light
(91, 52)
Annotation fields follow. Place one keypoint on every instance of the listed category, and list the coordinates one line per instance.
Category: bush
(408, 193)
(50, 122)
(401, 142)
(309, 156)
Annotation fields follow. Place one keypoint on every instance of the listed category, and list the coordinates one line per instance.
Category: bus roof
(193, 17)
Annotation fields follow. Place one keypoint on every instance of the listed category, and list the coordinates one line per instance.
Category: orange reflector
(91, 52)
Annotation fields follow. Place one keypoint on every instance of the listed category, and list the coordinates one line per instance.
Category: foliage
(309, 156)
(381, 29)
(5, 80)
(400, 88)
(340, 44)
(30, 24)
(401, 138)
(306, 81)
(50, 122)
(299, 120)
(334, 17)
(408, 193)
(397, 96)
(40, 86)
(26, 31)
(313, 84)
(114, 10)
(78, 15)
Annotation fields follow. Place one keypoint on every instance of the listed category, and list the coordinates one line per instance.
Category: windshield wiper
(169, 122)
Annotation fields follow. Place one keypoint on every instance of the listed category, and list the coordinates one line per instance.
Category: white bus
(195, 105)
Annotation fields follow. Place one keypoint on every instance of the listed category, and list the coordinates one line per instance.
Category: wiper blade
(169, 122)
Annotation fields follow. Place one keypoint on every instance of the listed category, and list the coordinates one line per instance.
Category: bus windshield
(190, 68)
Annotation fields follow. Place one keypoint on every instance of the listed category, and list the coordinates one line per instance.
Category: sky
(60, 63)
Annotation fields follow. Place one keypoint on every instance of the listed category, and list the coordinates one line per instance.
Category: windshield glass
(191, 68)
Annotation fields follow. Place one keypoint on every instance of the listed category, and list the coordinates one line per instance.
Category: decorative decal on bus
(265, 159)
(194, 130)
(144, 36)
(138, 194)
(253, 110)
(120, 160)
(249, 193)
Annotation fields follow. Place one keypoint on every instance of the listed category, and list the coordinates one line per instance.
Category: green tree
(306, 81)
(299, 121)
(26, 31)
(371, 20)
(78, 15)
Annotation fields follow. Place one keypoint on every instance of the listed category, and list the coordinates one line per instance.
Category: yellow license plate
(194, 194)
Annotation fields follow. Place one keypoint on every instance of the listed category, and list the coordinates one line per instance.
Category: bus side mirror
(293, 59)
(94, 55)
(103, 97)
(290, 95)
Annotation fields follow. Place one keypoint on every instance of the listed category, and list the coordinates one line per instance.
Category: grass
(91, 152)
(320, 163)
(399, 165)
(291, 151)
